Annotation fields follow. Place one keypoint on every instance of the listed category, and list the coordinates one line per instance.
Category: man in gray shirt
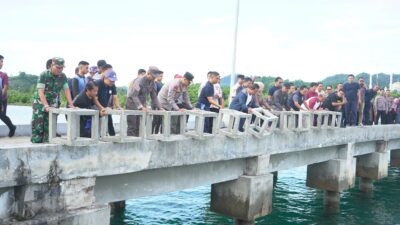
(280, 98)
(170, 95)
(138, 91)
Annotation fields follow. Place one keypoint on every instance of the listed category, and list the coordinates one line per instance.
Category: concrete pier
(395, 158)
(63, 183)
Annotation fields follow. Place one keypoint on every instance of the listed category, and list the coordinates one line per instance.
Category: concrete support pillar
(248, 197)
(366, 185)
(395, 158)
(333, 177)
(70, 202)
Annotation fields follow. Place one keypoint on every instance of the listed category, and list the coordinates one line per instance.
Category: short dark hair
(101, 63)
(107, 66)
(277, 79)
(90, 86)
(329, 86)
(1, 57)
(350, 75)
(361, 78)
(302, 87)
(141, 71)
(313, 84)
(286, 85)
(240, 76)
(256, 86)
(83, 63)
(48, 63)
(292, 84)
(213, 73)
(246, 79)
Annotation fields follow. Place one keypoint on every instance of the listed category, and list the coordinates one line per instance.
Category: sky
(295, 39)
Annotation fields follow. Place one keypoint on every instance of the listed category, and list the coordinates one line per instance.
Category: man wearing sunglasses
(46, 96)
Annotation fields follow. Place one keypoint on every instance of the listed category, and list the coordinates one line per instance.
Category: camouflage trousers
(40, 124)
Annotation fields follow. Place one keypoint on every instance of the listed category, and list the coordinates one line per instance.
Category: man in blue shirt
(245, 102)
(271, 91)
(352, 93)
(206, 98)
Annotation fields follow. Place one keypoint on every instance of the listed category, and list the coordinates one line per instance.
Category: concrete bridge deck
(238, 167)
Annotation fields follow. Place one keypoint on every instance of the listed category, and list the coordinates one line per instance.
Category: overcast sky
(303, 39)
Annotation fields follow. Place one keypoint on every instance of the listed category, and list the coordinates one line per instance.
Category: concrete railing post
(238, 123)
(73, 126)
(123, 126)
(264, 123)
(200, 116)
(165, 134)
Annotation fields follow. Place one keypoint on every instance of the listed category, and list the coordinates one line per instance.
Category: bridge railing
(263, 122)
(173, 124)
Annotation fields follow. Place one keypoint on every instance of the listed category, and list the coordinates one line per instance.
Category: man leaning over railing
(245, 102)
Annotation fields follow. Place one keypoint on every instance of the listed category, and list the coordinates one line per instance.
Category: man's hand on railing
(103, 112)
(182, 110)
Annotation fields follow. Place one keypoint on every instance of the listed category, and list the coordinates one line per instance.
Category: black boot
(12, 131)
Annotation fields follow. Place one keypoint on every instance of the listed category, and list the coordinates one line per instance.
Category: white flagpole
(234, 47)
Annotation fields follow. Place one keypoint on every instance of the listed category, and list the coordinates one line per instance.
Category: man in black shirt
(87, 100)
(107, 95)
(334, 101)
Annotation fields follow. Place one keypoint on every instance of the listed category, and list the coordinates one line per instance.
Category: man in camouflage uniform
(46, 96)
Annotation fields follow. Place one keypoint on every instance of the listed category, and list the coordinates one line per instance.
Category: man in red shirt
(311, 92)
(3, 100)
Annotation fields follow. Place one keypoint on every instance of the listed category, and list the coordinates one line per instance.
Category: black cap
(188, 76)
(247, 79)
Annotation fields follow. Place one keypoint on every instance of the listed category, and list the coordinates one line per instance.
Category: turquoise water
(293, 203)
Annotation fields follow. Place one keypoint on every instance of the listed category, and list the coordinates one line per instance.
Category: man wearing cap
(138, 91)
(46, 96)
(171, 93)
(107, 95)
(245, 102)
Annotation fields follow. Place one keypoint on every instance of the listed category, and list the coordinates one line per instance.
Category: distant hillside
(23, 82)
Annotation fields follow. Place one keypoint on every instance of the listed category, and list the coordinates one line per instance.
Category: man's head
(48, 63)
(285, 87)
(252, 89)
(83, 67)
(292, 88)
(110, 77)
(1, 61)
(247, 82)
(381, 92)
(159, 78)
(187, 79)
(350, 78)
(388, 93)
(340, 93)
(57, 65)
(141, 72)
(303, 89)
(260, 85)
(313, 86)
(153, 72)
(93, 70)
(320, 86)
(100, 65)
(361, 81)
(328, 89)
(240, 79)
(375, 88)
(278, 81)
(321, 97)
(91, 89)
(213, 77)
(339, 86)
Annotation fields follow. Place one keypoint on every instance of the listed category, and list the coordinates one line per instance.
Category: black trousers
(111, 130)
(382, 115)
(3, 115)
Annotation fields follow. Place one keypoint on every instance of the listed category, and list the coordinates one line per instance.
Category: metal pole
(234, 47)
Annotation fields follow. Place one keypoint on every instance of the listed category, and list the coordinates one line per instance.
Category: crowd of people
(93, 87)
